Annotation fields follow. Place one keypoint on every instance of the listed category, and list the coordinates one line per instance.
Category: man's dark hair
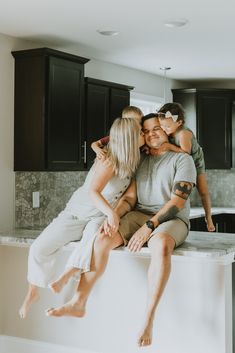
(148, 116)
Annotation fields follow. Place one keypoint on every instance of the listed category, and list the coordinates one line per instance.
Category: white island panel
(194, 316)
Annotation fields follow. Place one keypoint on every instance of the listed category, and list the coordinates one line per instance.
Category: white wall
(6, 132)
(1, 291)
(7, 181)
(143, 82)
(212, 84)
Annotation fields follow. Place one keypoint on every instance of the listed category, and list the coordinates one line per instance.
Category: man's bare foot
(145, 337)
(69, 309)
(31, 297)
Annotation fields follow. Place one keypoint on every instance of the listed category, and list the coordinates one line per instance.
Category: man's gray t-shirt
(155, 178)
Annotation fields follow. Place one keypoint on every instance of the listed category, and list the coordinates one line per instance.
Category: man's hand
(139, 238)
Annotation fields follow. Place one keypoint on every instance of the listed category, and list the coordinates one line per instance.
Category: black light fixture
(165, 69)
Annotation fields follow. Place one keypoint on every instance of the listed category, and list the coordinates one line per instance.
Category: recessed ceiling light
(180, 22)
(107, 32)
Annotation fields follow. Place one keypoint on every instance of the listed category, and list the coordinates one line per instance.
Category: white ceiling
(203, 49)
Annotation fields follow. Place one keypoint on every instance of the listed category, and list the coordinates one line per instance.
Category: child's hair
(130, 109)
(123, 148)
(148, 116)
(174, 109)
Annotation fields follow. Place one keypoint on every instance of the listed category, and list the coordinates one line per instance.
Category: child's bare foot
(145, 337)
(210, 224)
(58, 285)
(69, 309)
(31, 297)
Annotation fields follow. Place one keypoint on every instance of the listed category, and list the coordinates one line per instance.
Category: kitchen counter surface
(213, 246)
(198, 211)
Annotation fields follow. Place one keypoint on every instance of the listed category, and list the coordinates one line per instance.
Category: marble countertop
(211, 246)
(199, 212)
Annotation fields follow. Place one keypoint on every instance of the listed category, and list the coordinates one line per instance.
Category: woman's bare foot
(145, 337)
(210, 224)
(31, 297)
(69, 309)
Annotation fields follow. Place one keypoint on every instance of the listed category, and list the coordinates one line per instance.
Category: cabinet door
(65, 132)
(119, 99)
(214, 129)
(29, 139)
(188, 101)
(228, 221)
(97, 116)
(220, 223)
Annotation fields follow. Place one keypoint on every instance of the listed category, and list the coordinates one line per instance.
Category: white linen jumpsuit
(79, 220)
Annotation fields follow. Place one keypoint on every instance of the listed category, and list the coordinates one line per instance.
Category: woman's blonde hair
(123, 147)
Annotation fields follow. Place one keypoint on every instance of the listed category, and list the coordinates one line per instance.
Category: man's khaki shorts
(133, 220)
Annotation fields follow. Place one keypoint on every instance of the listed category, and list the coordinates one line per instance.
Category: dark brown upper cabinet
(104, 102)
(49, 108)
(209, 113)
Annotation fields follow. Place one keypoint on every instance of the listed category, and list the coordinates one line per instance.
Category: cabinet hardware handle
(84, 152)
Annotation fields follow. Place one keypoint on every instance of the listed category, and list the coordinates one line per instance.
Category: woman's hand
(113, 221)
(111, 224)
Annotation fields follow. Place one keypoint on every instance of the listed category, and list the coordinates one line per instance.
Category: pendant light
(165, 69)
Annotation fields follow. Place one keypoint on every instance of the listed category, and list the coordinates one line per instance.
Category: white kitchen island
(195, 314)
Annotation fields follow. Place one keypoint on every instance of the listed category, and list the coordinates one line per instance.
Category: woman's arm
(102, 174)
(125, 205)
(127, 201)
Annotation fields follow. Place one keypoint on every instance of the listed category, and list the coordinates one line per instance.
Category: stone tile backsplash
(221, 184)
(56, 188)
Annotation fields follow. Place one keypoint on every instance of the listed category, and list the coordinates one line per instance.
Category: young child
(182, 139)
(128, 112)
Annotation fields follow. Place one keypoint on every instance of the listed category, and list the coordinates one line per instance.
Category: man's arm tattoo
(168, 214)
(182, 189)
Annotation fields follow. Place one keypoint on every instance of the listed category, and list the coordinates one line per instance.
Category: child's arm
(185, 141)
(167, 146)
(185, 138)
(97, 147)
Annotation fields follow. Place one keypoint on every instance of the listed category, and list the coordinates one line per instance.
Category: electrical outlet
(36, 199)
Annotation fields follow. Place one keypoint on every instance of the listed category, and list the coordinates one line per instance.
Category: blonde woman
(86, 211)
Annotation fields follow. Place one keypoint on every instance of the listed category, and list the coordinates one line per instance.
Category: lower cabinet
(198, 224)
(224, 223)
